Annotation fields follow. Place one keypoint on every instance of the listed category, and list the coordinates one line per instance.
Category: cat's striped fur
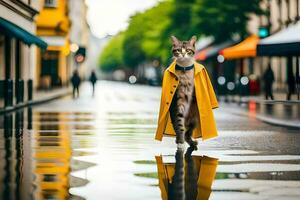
(183, 109)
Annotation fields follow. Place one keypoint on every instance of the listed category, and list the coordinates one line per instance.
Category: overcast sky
(111, 16)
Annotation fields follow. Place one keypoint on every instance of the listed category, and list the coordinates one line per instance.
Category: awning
(13, 30)
(212, 51)
(244, 49)
(201, 55)
(284, 43)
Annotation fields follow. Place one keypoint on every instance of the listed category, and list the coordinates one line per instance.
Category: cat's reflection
(189, 178)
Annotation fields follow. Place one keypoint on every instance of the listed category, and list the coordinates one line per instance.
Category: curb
(268, 120)
(263, 101)
(277, 122)
(272, 101)
(272, 121)
(33, 102)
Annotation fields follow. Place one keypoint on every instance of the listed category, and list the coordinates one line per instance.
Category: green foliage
(147, 37)
(143, 38)
(224, 19)
(133, 52)
(112, 55)
(181, 22)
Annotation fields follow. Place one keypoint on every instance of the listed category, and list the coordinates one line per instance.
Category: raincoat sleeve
(211, 92)
(162, 97)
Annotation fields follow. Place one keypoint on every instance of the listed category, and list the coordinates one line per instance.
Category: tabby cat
(183, 109)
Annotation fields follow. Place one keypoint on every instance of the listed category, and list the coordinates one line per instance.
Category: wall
(79, 32)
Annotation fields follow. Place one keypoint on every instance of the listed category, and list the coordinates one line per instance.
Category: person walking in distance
(268, 78)
(291, 82)
(93, 80)
(75, 79)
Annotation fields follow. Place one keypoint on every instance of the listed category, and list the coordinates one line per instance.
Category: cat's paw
(193, 144)
(180, 146)
(194, 147)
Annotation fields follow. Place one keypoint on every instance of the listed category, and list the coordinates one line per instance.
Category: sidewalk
(40, 96)
(278, 98)
(276, 112)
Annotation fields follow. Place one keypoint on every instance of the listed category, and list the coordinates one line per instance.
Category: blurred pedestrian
(291, 85)
(93, 80)
(75, 79)
(268, 78)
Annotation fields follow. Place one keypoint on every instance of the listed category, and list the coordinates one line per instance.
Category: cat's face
(183, 51)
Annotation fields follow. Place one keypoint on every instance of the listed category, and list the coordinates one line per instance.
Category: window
(50, 3)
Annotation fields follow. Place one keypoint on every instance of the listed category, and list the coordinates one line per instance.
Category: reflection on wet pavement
(288, 111)
(103, 148)
(36, 156)
(190, 177)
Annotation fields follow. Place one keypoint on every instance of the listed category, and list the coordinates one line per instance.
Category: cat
(183, 109)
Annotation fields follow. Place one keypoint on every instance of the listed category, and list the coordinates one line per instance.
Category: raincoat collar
(198, 67)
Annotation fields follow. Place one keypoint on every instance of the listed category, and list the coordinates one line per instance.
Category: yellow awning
(244, 49)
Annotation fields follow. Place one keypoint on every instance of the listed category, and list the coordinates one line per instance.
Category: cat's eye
(190, 52)
(176, 51)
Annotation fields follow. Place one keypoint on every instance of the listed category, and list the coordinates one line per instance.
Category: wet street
(103, 147)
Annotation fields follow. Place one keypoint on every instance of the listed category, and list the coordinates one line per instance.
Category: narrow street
(105, 145)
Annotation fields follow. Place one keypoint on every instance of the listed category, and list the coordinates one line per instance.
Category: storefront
(285, 44)
(53, 67)
(209, 57)
(14, 48)
(244, 54)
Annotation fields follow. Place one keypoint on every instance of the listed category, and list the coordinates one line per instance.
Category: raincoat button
(167, 103)
(171, 92)
(174, 86)
(176, 79)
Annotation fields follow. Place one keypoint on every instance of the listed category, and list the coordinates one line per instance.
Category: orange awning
(244, 49)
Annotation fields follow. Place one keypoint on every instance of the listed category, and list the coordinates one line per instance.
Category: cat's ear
(174, 40)
(193, 40)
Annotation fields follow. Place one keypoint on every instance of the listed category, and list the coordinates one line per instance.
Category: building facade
(282, 14)
(244, 58)
(53, 26)
(79, 36)
(17, 54)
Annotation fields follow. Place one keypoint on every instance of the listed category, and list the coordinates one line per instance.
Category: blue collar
(177, 67)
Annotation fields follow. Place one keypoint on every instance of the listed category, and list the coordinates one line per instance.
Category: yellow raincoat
(206, 101)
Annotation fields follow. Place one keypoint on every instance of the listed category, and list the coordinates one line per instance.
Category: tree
(147, 37)
(224, 19)
(143, 38)
(181, 19)
(133, 52)
(111, 57)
